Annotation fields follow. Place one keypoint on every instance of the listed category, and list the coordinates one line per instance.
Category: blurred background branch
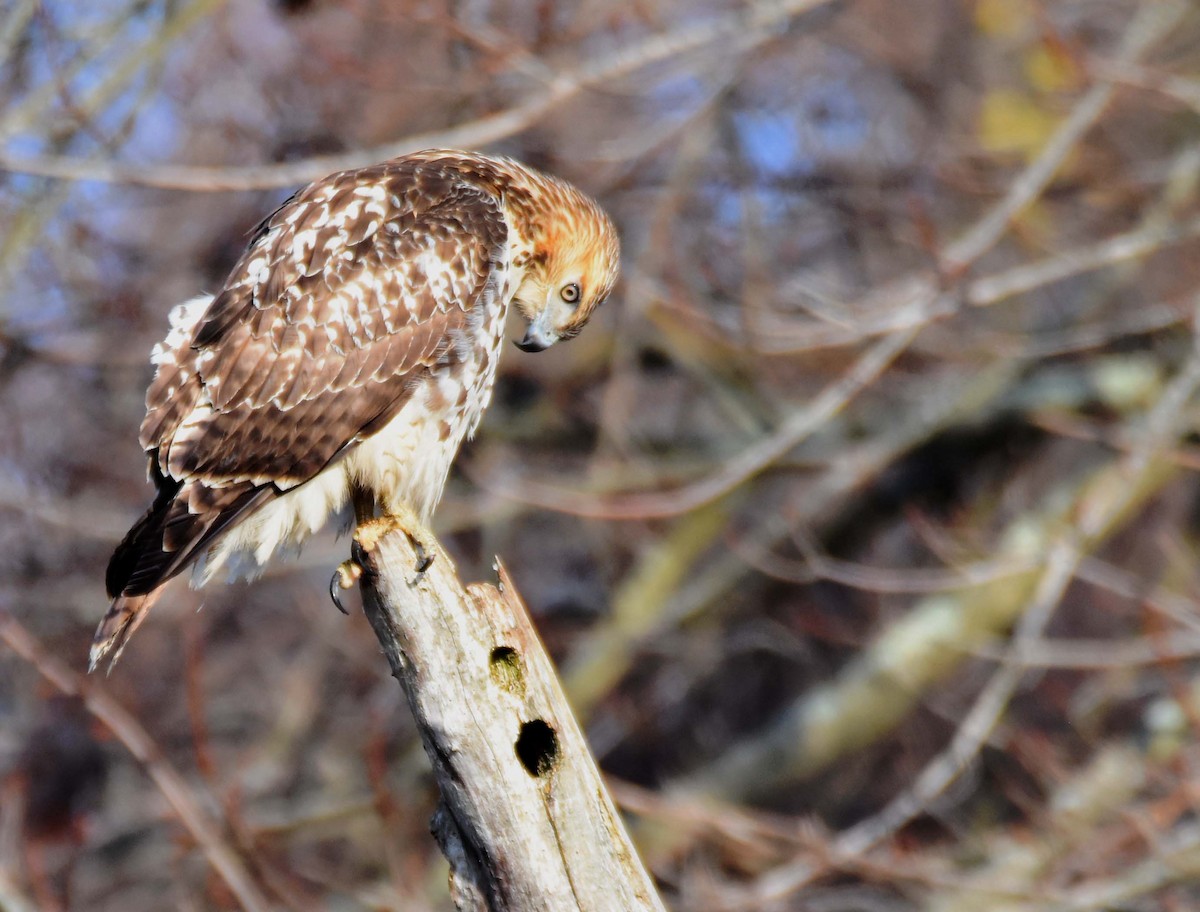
(862, 522)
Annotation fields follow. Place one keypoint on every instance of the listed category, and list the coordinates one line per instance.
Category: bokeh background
(862, 522)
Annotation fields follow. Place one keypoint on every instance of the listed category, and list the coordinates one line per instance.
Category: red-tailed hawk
(352, 349)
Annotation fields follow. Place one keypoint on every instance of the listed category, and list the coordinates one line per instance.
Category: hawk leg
(369, 531)
(348, 572)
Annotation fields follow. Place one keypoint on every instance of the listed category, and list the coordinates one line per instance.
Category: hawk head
(573, 267)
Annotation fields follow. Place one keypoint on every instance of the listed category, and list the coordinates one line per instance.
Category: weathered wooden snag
(524, 818)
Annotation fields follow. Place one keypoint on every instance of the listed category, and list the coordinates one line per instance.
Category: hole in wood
(505, 665)
(537, 748)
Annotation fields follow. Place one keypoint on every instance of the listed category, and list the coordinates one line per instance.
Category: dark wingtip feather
(142, 544)
(139, 557)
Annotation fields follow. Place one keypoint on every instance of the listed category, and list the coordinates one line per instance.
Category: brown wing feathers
(317, 337)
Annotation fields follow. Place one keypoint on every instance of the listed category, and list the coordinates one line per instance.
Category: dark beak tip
(531, 345)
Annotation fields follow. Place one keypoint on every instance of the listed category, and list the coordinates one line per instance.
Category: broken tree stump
(524, 818)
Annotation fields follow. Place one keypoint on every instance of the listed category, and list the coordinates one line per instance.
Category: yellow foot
(344, 577)
(371, 531)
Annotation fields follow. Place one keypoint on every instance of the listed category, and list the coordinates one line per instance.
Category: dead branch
(795, 429)
(875, 692)
(741, 30)
(1150, 25)
(187, 805)
(524, 818)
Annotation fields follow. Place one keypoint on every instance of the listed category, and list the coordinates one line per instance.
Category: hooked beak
(539, 336)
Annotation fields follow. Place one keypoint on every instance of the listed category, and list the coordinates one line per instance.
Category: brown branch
(738, 31)
(751, 461)
(1151, 23)
(1103, 503)
(205, 830)
(911, 303)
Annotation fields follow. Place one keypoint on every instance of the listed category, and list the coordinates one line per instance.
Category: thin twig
(755, 24)
(187, 805)
(1151, 22)
(748, 463)
(1096, 513)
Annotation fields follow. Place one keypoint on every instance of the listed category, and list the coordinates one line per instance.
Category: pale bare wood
(525, 819)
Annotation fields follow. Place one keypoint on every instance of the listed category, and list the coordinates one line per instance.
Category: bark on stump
(524, 817)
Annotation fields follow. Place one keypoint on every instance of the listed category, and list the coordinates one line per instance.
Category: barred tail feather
(185, 520)
(120, 621)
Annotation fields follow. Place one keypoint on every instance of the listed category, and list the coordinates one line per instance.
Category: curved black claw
(424, 558)
(345, 576)
(335, 585)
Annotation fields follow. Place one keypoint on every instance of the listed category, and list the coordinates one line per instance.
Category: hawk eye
(570, 293)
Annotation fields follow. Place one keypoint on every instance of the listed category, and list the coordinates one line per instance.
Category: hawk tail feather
(123, 617)
(182, 523)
